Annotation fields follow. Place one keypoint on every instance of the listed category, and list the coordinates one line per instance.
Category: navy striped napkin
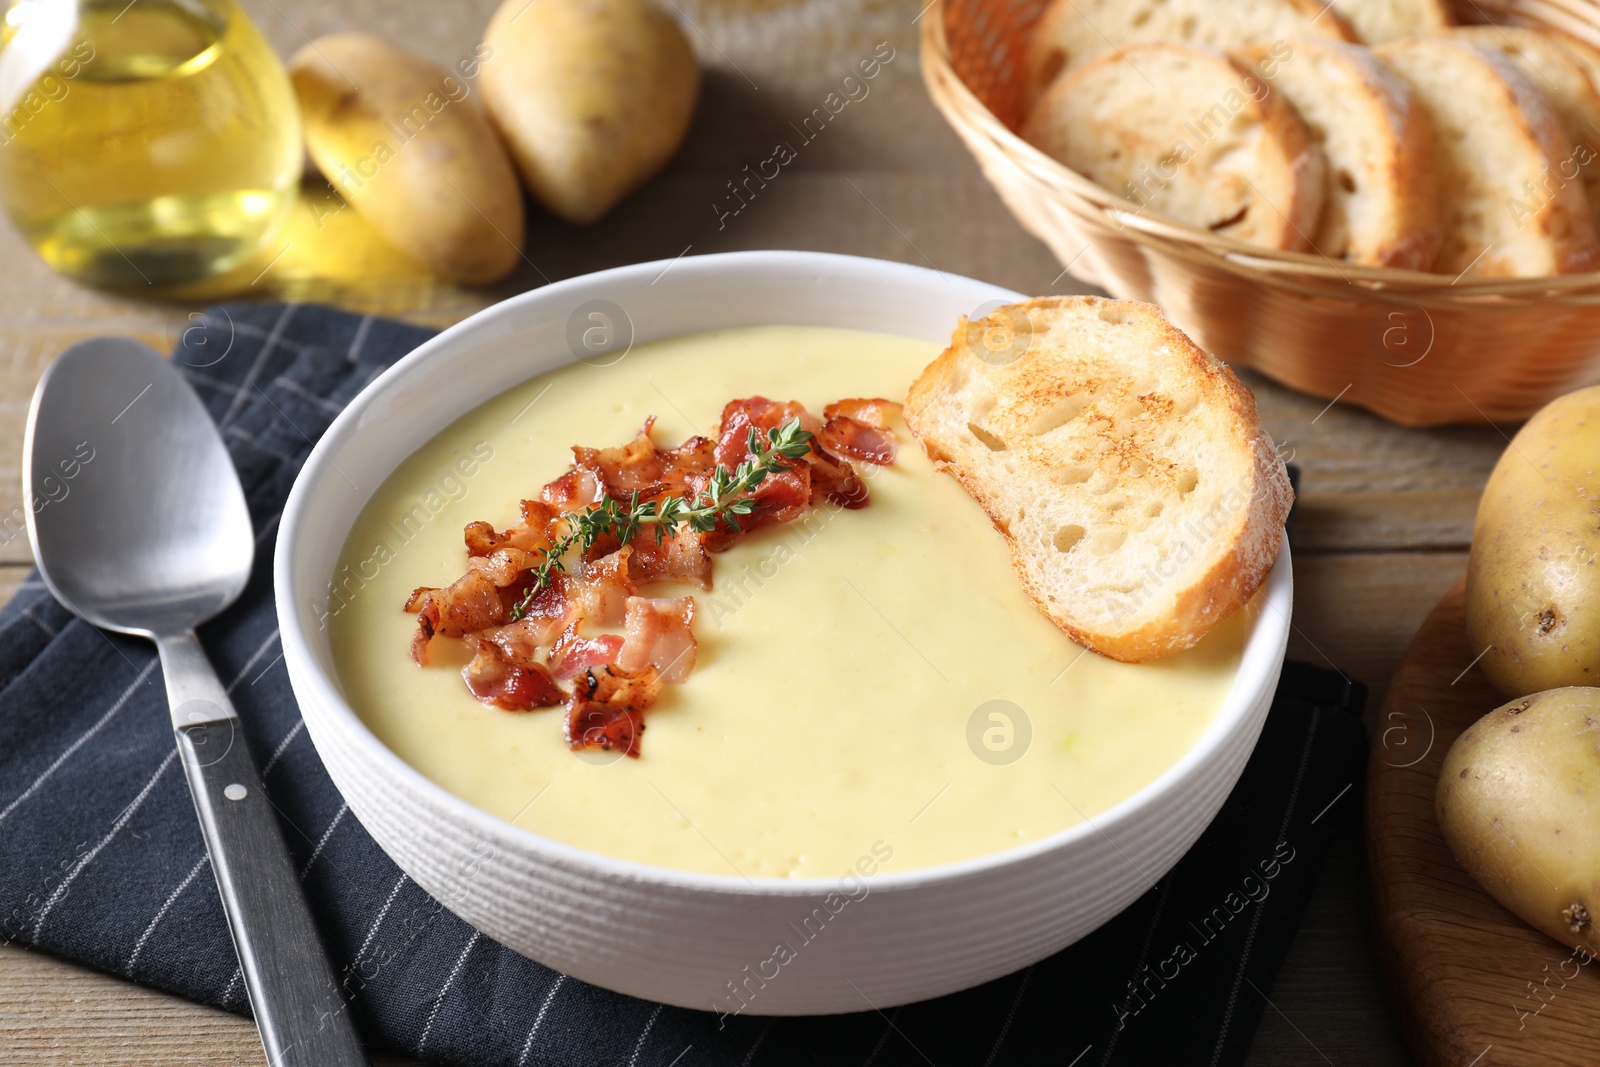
(103, 862)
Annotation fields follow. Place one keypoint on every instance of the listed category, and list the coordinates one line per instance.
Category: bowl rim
(1258, 668)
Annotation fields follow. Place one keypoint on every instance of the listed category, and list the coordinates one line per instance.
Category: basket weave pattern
(1419, 349)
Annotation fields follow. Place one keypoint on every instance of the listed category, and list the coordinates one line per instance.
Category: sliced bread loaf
(1126, 469)
(1188, 133)
(1377, 21)
(1497, 145)
(1588, 57)
(1584, 52)
(1074, 32)
(1379, 203)
(1555, 68)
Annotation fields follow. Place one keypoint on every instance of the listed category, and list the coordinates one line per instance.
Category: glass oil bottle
(144, 144)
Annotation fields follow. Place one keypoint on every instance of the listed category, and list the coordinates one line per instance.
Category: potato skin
(401, 140)
(1519, 803)
(592, 97)
(1533, 583)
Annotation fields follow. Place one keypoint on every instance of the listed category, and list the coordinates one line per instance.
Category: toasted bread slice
(1584, 52)
(1377, 21)
(1556, 69)
(1379, 201)
(1125, 468)
(1074, 32)
(1588, 57)
(1498, 144)
(1243, 166)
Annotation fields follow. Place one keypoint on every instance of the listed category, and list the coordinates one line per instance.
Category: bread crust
(1203, 598)
(1066, 125)
(1325, 81)
(1379, 21)
(1074, 32)
(1560, 220)
(1587, 55)
(1553, 65)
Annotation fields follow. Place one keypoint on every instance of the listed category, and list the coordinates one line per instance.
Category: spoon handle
(303, 1020)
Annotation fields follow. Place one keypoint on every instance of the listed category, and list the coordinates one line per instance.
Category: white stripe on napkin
(138, 946)
(538, 1020)
(88, 857)
(121, 702)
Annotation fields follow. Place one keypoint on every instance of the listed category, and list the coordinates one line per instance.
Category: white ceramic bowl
(687, 938)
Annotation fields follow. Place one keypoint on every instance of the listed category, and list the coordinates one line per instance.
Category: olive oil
(146, 143)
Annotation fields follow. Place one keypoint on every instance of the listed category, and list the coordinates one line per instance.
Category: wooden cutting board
(1472, 985)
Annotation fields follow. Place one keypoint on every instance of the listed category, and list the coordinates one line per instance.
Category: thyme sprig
(726, 496)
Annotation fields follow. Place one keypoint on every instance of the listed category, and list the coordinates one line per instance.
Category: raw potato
(401, 140)
(592, 96)
(1533, 579)
(1519, 804)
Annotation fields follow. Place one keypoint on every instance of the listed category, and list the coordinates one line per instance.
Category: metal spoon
(152, 537)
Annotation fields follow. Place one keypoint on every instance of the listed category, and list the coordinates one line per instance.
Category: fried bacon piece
(875, 412)
(620, 471)
(518, 643)
(527, 637)
(828, 473)
(470, 603)
(690, 464)
(835, 480)
(857, 440)
(606, 709)
(858, 428)
(420, 641)
(782, 497)
(505, 566)
(739, 416)
(532, 534)
(573, 654)
(637, 689)
(573, 491)
(660, 634)
(591, 724)
(603, 590)
(482, 539)
(508, 687)
(678, 557)
(552, 607)
(539, 515)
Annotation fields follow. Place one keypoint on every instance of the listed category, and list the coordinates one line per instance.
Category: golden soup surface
(877, 677)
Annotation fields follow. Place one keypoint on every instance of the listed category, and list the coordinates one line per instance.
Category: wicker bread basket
(1420, 349)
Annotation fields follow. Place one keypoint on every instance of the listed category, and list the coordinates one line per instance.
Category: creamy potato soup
(870, 683)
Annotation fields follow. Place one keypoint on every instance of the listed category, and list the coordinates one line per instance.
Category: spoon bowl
(138, 520)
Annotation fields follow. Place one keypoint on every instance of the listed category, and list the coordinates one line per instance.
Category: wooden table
(1384, 518)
